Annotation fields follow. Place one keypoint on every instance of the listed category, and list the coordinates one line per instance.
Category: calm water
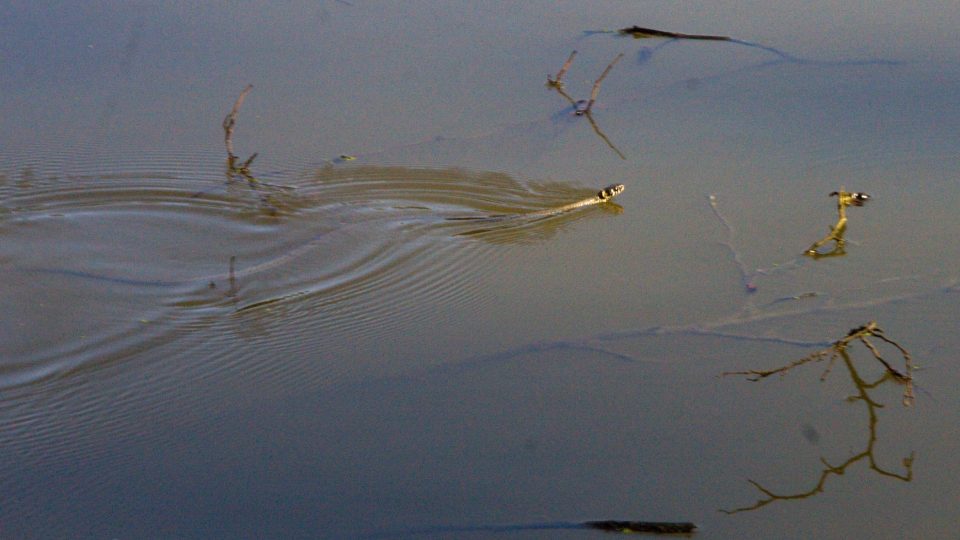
(325, 353)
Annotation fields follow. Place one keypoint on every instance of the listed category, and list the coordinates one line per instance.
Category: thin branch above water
(584, 107)
(840, 350)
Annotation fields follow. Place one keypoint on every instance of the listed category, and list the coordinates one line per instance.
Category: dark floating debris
(662, 527)
(639, 32)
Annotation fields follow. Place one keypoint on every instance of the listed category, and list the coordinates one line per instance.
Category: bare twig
(557, 82)
(231, 121)
(839, 347)
(754, 375)
(596, 85)
(582, 107)
(662, 527)
(640, 33)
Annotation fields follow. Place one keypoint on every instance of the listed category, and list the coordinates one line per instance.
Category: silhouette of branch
(641, 33)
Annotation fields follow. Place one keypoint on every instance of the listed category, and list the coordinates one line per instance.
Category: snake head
(851, 199)
(610, 192)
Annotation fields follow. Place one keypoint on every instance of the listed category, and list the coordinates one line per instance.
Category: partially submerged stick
(839, 348)
(639, 32)
(650, 527)
(661, 527)
(231, 121)
(596, 85)
(557, 82)
(582, 107)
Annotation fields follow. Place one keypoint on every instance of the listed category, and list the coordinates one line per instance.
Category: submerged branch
(230, 122)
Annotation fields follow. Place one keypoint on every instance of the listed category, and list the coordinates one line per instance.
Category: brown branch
(662, 527)
(231, 121)
(603, 136)
(557, 82)
(640, 33)
(596, 85)
(582, 107)
(757, 374)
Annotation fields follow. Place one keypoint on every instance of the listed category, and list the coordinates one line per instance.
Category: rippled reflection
(112, 262)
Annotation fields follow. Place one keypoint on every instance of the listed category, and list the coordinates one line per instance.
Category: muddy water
(325, 352)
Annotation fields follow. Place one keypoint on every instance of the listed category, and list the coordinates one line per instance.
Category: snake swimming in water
(602, 196)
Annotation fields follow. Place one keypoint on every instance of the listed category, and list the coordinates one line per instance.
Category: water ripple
(110, 259)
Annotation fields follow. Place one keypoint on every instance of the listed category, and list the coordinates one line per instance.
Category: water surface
(323, 352)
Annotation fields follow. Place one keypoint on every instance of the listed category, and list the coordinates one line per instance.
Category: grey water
(315, 350)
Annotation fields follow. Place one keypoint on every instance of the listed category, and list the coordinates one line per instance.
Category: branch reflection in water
(839, 350)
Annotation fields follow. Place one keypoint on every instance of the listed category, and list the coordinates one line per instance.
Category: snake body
(602, 196)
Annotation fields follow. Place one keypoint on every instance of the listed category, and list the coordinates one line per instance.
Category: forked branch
(839, 349)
